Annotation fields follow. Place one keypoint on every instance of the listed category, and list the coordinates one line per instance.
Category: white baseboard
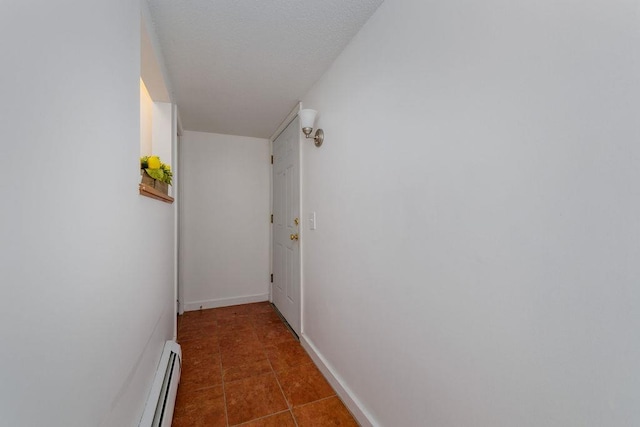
(364, 418)
(224, 302)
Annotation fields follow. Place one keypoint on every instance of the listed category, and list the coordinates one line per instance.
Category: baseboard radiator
(159, 409)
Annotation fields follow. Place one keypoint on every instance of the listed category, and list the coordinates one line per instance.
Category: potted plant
(155, 173)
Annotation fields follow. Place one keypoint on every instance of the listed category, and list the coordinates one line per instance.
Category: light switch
(312, 221)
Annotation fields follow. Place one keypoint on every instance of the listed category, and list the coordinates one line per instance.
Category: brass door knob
(294, 237)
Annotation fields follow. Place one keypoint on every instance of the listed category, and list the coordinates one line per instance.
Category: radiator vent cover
(158, 411)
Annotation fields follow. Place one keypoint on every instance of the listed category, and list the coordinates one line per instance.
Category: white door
(286, 224)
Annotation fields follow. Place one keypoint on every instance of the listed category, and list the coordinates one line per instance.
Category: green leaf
(156, 174)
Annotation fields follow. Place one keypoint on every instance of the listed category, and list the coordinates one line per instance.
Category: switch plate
(312, 221)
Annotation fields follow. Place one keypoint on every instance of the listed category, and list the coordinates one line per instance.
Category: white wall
(162, 131)
(86, 262)
(224, 228)
(146, 121)
(476, 257)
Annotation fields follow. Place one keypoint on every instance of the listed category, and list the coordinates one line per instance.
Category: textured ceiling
(239, 66)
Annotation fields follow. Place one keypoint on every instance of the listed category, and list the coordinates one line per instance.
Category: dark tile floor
(242, 367)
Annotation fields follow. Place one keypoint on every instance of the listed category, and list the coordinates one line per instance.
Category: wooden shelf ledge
(148, 191)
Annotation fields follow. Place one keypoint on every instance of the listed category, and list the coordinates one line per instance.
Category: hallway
(242, 366)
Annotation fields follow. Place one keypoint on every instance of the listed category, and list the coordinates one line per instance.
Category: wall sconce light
(307, 119)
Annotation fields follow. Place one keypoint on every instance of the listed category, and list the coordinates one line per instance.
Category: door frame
(283, 125)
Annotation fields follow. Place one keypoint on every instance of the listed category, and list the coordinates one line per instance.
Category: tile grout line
(260, 418)
(320, 400)
(224, 388)
(282, 391)
(273, 372)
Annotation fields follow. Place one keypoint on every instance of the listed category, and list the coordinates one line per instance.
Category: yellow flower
(154, 162)
(166, 167)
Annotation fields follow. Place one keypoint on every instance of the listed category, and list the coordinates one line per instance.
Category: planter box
(158, 185)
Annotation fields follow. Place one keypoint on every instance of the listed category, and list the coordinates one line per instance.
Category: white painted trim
(271, 223)
(292, 115)
(180, 215)
(359, 412)
(179, 119)
(174, 192)
(175, 159)
(225, 302)
(303, 235)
